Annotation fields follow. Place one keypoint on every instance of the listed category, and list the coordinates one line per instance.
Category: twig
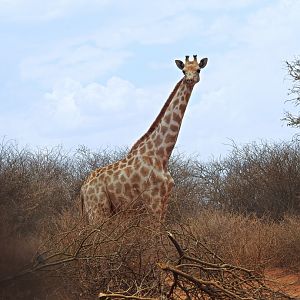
(121, 296)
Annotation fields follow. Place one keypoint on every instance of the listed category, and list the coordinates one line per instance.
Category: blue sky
(97, 72)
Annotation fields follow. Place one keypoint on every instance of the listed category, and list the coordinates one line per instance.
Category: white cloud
(85, 58)
(171, 30)
(82, 62)
(34, 10)
(72, 107)
(243, 91)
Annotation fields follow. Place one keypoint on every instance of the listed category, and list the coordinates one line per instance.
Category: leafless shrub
(293, 70)
(33, 185)
(201, 274)
(43, 182)
(263, 179)
(41, 230)
(258, 178)
(119, 254)
(129, 255)
(189, 194)
(249, 241)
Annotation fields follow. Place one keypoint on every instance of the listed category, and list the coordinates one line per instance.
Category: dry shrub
(248, 240)
(287, 249)
(201, 274)
(41, 225)
(119, 254)
(130, 254)
(38, 189)
(33, 185)
(37, 185)
(189, 194)
(258, 178)
(261, 179)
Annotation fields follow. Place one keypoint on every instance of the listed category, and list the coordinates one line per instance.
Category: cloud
(170, 30)
(243, 90)
(72, 107)
(34, 10)
(87, 57)
(83, 62)
(37, 11)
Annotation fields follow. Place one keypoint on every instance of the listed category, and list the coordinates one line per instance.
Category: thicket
(243, 208)
(260, 179)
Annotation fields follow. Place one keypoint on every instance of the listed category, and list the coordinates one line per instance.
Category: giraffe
(142, 177)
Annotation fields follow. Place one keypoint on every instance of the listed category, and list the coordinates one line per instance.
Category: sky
(97, 72)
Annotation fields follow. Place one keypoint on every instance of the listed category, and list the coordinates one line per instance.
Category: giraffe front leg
(165, 202)
(159, 204)
(99, 208)
(165, 199)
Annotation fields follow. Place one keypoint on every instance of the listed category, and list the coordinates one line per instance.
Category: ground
(285, 280)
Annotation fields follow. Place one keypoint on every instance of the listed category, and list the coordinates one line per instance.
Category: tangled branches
(194, 278)
(129, 257)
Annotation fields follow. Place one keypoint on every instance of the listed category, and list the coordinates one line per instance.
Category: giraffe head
(191, 69)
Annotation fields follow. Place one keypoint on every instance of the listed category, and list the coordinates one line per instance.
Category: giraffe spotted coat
(142, 176)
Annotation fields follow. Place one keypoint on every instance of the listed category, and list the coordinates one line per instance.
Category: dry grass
(248, 240)
(41, 223)
(122, 255)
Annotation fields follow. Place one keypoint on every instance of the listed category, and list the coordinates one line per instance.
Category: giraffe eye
(198, 71)
(183, 72)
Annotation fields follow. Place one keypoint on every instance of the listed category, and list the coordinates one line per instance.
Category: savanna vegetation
(241, 211)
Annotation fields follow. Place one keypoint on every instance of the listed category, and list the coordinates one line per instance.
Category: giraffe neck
(161, 137)
(157, 120)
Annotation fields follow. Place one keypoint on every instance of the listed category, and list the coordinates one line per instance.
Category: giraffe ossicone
(143, 176)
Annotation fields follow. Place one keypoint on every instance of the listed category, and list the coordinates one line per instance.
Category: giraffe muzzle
(190, 82)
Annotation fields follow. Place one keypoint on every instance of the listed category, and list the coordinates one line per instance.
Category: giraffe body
(142, 176)
(126, 183)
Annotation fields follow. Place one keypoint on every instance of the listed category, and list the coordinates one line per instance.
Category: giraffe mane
(158, 118)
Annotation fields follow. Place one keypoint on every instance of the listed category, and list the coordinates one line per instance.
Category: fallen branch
(121, 296)
(198, 278)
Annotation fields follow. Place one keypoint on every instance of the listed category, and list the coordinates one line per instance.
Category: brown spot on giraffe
(164, 129)
(122, 178)
(135, 178)
(158, 141)
(182, 108)
(128, 189)
(143, 150)
(150, 145)
(144, 169)
(127, 171)
(161, 152)
(170, 138)
(168, 118)
(176, 117)
(174, 128)
(170, 149)
(176, 102)
(118, 187)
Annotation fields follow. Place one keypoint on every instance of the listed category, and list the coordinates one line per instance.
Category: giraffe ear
(179, 64)
(203, 62)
